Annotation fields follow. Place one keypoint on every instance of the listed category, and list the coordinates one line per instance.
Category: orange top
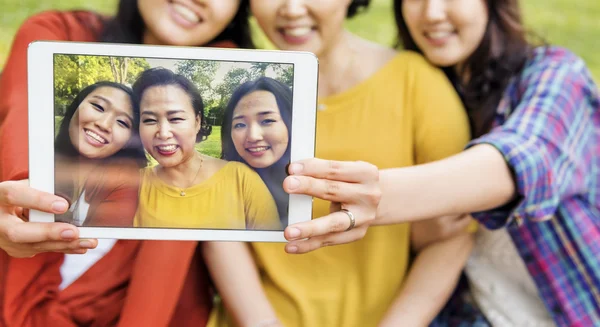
(137, 283)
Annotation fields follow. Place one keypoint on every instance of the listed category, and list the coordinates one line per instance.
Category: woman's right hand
(20, 238)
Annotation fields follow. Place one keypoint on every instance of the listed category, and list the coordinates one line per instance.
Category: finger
(19, 194)
(28, 232)
(334, 222)
(78, 251)
(64, 246)
(344, 171)
(314, 243)
(328, 190)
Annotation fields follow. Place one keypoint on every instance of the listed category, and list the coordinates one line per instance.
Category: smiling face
(307, 25)
(448, 32)
(185, 22)
(168, 125)
(102, 124)
(259, 134)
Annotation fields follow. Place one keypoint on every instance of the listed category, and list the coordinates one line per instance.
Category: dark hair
(132, 150)
(160, 76)
(357, 6)
(283, 96)
(501, 55)
(128, 26)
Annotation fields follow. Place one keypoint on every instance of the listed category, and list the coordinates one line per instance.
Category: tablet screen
(172, 143)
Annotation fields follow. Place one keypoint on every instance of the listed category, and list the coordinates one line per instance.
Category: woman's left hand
(354, 192)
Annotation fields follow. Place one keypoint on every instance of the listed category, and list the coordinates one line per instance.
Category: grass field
(574, 24)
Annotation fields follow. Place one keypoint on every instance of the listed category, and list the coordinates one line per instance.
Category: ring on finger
(352, 219)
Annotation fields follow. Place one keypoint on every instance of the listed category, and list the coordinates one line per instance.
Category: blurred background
(574, 24)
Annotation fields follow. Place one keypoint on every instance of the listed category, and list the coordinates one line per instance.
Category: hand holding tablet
(121, 143)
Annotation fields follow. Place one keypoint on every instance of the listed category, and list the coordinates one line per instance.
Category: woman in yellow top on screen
(256, 130)
(187, 189)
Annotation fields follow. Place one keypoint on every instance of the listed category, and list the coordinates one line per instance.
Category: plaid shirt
(547, 126)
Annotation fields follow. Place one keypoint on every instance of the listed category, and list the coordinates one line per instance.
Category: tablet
(170, 143)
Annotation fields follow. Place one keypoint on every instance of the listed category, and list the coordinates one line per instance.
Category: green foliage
(72, 73)
(231, 81)
(200, 72)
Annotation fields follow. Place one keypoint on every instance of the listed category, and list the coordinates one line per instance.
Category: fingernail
(292, 249)
(296, 168)
(67, 234)
(59, 206)
(85, 244)
(294, 232)
(293, 183)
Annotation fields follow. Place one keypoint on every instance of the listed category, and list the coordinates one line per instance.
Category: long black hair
(160, 76)
(273, 175)
(132, 150)
(500, 56)
(128, 26)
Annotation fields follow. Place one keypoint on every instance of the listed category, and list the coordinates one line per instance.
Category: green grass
(212, 145)
(574, 24)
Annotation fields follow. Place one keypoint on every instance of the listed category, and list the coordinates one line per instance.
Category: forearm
(430, 282)
(237, 280)
(475, 180)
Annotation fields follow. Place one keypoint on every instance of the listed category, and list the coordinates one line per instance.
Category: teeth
(186, 13)
(262, 148)
(167, 148)
(297, 32)
(95, 136)
(438, 35)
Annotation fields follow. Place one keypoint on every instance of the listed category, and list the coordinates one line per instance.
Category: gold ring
(352, 219)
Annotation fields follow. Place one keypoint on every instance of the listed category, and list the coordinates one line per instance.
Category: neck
(336, 65)
(184, 174)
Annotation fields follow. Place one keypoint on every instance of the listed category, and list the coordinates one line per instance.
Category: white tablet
(170, 143)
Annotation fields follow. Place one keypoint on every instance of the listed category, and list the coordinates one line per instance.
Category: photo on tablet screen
(172, 143)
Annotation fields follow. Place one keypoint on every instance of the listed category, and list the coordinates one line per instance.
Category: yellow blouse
(404, 114)
(235, 197)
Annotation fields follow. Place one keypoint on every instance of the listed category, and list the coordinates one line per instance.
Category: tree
(259, 69)
(201, 72)
(72, 73)
(285, 74)
(231, 81)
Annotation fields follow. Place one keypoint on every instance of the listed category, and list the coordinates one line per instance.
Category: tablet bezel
(41, 127)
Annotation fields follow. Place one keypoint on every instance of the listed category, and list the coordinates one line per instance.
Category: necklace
(182, 190)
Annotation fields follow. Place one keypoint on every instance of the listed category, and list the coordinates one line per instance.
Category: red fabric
(111, 189)
(138, 283)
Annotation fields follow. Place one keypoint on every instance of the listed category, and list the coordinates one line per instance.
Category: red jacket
(138, 283)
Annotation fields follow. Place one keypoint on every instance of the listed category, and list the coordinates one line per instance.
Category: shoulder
(229, 169)
(379, 56)
(410, 69)
(70, 24)
(240, 168)
(415, 65)
(554, 71)
(554, 63)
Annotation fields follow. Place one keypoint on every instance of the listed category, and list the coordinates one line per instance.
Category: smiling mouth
(258, 149)
(95, 137)
(296, 31)
(438, 35)
(167, 149)
(296, 35)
